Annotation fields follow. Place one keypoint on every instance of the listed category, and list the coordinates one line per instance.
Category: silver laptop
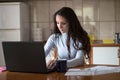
(25, 57)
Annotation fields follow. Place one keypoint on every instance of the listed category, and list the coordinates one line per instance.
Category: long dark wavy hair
(75, 30)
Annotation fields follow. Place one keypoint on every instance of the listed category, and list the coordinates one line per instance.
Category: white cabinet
(14, 24)
(9, 11)
(105, 55)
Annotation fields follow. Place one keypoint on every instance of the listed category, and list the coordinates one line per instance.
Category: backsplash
(100, 18)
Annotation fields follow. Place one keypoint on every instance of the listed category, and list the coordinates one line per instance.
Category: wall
(98, 17)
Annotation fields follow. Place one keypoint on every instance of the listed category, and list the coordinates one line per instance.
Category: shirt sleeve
(78, 60)
(49, 44)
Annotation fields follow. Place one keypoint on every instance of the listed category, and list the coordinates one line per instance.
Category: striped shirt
(76, 56)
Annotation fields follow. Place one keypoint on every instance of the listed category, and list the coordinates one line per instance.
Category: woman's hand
(51, 64)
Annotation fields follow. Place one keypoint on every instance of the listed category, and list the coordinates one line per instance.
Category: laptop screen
(24, 56)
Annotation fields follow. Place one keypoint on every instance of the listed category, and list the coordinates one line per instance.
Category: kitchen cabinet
(14, 24)
(105, 54)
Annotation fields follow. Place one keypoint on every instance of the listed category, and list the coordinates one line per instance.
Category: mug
(61, 65)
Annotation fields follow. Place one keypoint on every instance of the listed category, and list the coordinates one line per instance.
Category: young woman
(69, 38)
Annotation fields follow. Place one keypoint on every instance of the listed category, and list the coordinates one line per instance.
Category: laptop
(25, 57)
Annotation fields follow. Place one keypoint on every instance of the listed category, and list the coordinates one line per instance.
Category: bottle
(116, 40)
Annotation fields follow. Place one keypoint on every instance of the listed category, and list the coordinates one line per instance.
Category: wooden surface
(55, 76)
(105, 45)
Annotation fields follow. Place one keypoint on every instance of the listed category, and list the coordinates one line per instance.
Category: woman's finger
(51, 64)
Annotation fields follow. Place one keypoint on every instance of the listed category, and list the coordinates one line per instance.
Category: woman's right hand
(51, 64)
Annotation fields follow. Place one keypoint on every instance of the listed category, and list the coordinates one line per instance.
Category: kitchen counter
(105, 45)
(101, 43)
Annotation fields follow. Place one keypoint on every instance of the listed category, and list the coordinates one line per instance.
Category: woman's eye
(62, 23)
(57, 22)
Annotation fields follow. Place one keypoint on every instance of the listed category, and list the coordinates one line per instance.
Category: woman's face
(62, 24)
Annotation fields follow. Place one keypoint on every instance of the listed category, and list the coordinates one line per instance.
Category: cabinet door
(10, 35)
(7, 35)
(105, 55)
(9, 15)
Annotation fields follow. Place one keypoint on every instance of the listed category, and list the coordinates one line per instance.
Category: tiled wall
(98, 17)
